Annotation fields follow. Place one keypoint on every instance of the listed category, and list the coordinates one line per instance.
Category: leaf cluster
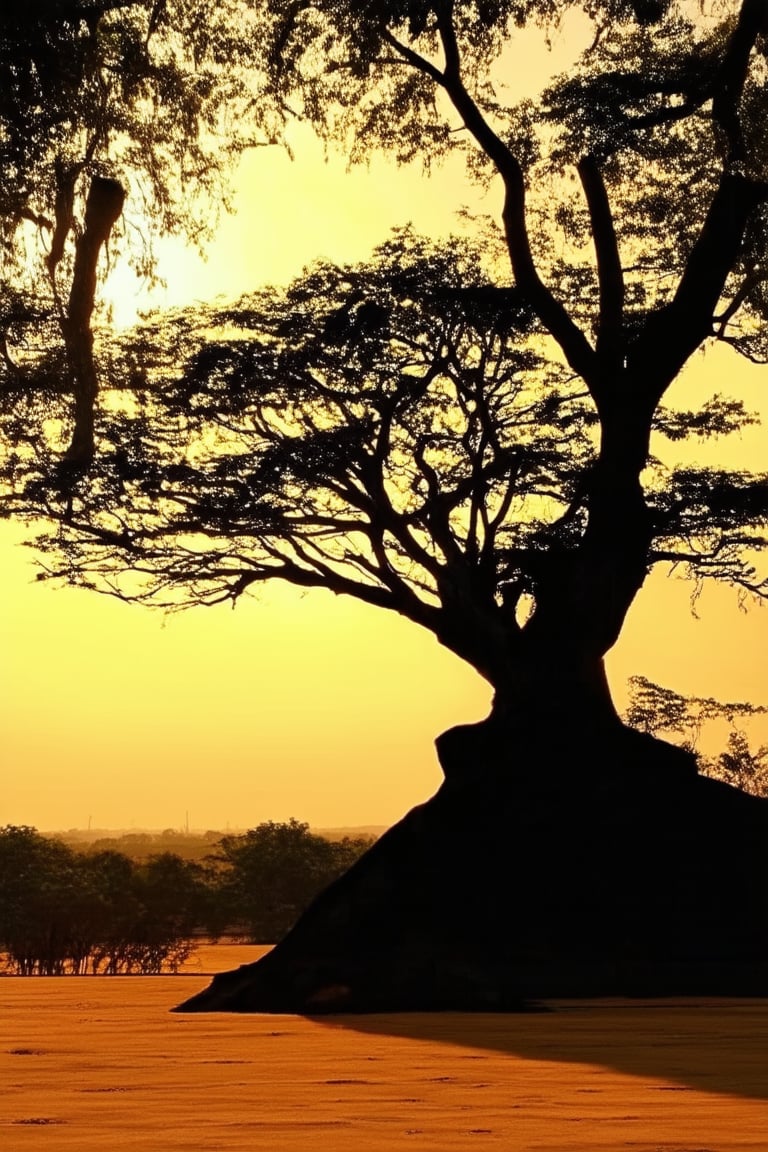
(160, 95)
(661, 101)
(656, 709)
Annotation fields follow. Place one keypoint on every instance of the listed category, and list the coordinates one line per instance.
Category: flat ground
(100, 1065)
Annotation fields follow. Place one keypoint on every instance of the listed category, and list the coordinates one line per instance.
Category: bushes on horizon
(66, 913)
(271, 873)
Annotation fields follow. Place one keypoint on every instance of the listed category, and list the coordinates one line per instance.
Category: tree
(739, 765)
(653, 708)
(392, 432)
(106, 104)
(272, 872)
(38, 879)
(675, 102)
(517, 521)
(69, 913)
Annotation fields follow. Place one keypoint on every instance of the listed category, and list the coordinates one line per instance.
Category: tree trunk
(564, 854)
(523, 878)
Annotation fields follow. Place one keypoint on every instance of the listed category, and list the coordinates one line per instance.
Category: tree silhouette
(742, 766)
(106, 103)
(38, 884)
(64, 912)
(653, 708)
(394, 432)
(478, 458)
(269, 874)
(661, 122)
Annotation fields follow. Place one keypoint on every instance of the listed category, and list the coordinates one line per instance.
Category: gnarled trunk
(564, 854)
(523, 877)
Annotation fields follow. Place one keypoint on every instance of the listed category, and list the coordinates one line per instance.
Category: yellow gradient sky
(304, 705)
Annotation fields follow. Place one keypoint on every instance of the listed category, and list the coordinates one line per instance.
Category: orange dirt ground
(99, 1064)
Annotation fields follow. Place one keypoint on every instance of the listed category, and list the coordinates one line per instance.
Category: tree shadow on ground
(708, 1045)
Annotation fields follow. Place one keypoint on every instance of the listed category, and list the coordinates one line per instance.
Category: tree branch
(723, 319)
(553, 315)
(102, 210)
(674, 332)
(413, 58)
(753, 19)
(609, 271)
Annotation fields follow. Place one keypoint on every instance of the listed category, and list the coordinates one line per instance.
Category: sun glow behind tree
(545, 189)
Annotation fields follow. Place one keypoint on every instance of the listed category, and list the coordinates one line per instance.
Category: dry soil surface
(99, 1064)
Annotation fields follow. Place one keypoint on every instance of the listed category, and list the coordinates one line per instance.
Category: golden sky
(293, 704)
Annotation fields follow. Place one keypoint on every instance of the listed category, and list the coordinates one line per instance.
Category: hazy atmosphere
(383, 575)
(301, 703)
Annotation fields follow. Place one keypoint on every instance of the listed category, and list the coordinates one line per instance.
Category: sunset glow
(294, 704)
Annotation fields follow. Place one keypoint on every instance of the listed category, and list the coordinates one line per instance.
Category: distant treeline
(65, 911)
(190, 845)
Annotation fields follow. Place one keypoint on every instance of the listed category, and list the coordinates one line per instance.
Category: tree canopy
(141, 91)
(108, 105)
(647, 160)
(420, 432)
(469, 436)
(393, 431)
